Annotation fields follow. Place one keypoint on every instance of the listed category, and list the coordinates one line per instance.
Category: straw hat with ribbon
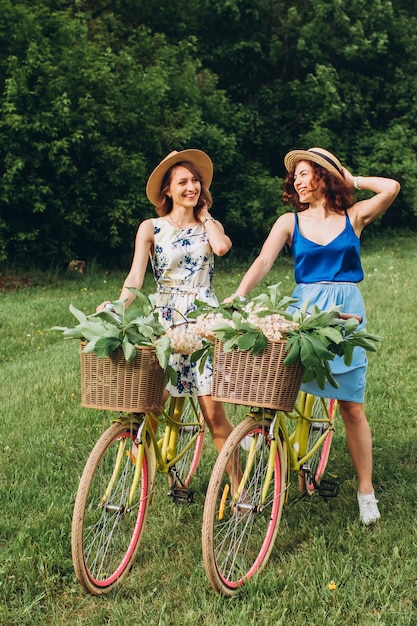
(317, 155)
(197, 157)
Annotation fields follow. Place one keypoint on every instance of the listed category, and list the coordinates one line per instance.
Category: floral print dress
(182, 265)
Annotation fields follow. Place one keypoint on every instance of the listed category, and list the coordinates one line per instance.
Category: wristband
(355, 183)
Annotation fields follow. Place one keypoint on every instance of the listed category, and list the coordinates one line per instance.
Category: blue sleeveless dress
(327, 276)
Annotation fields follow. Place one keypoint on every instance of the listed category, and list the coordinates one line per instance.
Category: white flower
(183, 341)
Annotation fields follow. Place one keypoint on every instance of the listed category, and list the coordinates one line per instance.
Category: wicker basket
(112, 383)
(263, 380)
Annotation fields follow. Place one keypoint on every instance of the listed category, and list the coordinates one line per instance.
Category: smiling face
(304, 181)
(184, 187)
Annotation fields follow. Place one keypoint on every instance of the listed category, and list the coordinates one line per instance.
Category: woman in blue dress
(324, 235)
(180, 244)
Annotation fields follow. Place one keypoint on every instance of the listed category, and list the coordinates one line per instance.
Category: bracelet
(355, 183)
(207, 219)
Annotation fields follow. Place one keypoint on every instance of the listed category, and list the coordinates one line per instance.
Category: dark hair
(164, 205)
(337, 193)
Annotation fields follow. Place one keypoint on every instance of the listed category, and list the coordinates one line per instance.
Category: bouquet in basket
(312, 337)
(133, 378)
(106, 331)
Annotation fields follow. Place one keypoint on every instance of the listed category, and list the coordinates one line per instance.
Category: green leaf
(260, 344)
(350, 325)
(348, 354)
(321, 319)
(171, 375)
(202, 352)
(331, 333)
(308, 375)
(147, 331)
(226, 328)
(236, 318)
(108, 317)
(142, 301)
(230, 344)
(331, 379)
(320, 375)
(246, 341)
(89, 348)
(363, 343)
(200, 356)
(106, 345)
(74, 333)
(319, 349)
(293, 351)
(163, 350)
(81, 317)
(201, 308)
(129, 351)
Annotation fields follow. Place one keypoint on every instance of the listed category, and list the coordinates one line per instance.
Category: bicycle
(249, 482)
(117, 486)
(242, 512)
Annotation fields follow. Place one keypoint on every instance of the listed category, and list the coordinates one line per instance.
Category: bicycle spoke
(110, 510)
(243, 510)
(314, 469)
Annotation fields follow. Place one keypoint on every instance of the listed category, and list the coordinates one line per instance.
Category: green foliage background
(94, 93)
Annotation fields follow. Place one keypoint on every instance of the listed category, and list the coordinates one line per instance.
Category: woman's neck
(181, 218)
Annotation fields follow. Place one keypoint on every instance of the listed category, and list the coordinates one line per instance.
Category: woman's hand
(235, 295)
(348, 177)
(204, 213)
(102, 306)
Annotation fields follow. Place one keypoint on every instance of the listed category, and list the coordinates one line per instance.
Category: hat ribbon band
(328, 159)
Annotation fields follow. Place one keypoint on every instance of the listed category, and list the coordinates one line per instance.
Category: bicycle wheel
(239, 530)
(187, 465)
(109, 516)
(314, 469)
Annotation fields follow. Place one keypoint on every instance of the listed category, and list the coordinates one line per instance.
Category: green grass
(46, 437)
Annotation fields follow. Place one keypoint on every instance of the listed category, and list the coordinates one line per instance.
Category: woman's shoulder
(284, 226)
(287, 220)
(146, 228)
(147, 224)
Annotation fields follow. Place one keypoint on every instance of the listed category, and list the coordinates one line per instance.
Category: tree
(95, 93)
(85, 116)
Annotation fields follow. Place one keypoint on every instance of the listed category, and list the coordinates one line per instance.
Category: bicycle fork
(250, 460)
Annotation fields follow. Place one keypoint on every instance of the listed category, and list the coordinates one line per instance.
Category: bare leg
(359, 442)
(215, 417)
(220, 428)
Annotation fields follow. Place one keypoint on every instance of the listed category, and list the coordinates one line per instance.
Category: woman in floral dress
(180, 244)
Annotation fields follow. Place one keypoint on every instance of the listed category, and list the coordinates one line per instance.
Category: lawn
(325, 567)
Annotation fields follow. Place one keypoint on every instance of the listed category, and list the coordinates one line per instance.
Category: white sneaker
(368, 508)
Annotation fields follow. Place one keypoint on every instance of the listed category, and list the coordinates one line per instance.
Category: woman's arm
(280, 234)
(366, 211)
(143, 245)
(220, 243)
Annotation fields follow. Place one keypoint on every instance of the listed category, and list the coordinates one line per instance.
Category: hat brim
(200, 159)
(292, 158)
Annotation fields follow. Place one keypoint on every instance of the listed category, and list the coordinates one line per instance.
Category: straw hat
(197, 157)
(317, 155)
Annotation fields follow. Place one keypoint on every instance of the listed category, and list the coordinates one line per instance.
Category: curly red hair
(338, 195)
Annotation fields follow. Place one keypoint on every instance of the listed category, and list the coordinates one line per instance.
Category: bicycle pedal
(328, 489)
(181, 495)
